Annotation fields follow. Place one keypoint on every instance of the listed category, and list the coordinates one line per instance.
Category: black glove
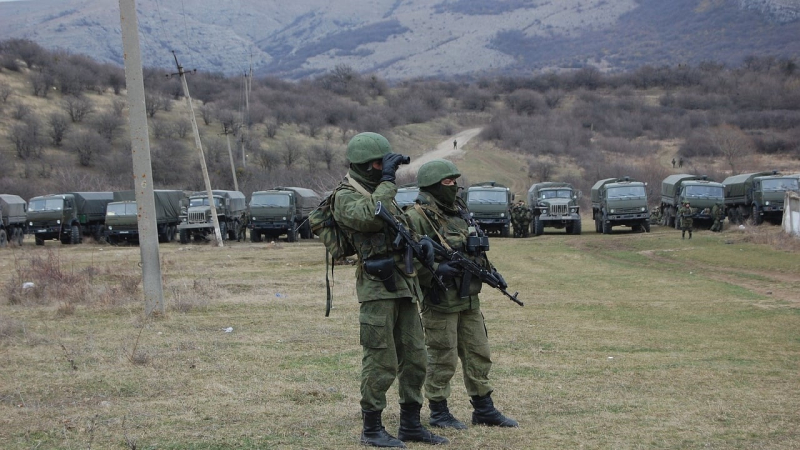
(502, 281)
(448, 269)
(427, 250)
(391, 162)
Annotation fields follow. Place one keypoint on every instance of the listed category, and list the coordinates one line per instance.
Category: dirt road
(444, 150)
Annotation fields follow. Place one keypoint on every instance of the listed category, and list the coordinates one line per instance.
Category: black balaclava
(366, 174)
(445, 196)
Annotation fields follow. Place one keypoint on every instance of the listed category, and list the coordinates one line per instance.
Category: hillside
(415, 38)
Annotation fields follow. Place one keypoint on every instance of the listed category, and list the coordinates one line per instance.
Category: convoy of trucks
(757, 196)
(554, 204)
(490, 205)
(122, 224)
(699, 191)
(281, 211)
(12, 219)
(620, 202)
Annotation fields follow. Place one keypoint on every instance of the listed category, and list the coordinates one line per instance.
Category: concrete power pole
(226, 132)
(142, 168)
(199, 145)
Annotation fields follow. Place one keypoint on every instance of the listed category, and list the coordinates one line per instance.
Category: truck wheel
(598, 227)
(504, 232)
(568, 228)
(305, 230)
(576, 227)
(646, 226)
(606, 227)
(232, 232)
(39, 240)
(757, 219)
(3, 238)
(171, 229)
(538, 227)
(291, 235)
(75, 235)
(255, 236)
(20, 236)
(183, 236)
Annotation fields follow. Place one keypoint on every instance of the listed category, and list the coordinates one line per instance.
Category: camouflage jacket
(372, 239)
(718, 212)
(454, 229)
(685, 215)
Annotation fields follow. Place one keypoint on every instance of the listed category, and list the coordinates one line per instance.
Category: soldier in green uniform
(391, 332)
(718, 214)
(685, 214)
(517, 216)
(454, 326)
(655, 216)
(526, 219)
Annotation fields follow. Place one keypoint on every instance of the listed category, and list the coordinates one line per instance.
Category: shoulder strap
(442, 240)
(357, 186)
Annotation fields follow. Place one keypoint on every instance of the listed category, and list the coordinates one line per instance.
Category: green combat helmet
(435, 171)
(366, 147)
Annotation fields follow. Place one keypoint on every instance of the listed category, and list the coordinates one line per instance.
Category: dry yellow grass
(625, 341)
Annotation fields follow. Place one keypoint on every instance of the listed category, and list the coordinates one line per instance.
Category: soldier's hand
(391, 162)
(501, 281)
(427, 250)
(447, 269)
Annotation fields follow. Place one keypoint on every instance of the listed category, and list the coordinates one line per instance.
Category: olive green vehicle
(490, 204)
(198, 224)
(620, 202)
(554, 204)
(757, 196)
(68, 217)
(699, 191)
(122, 216)
(281, 211)
(12, 219)
(406, 196)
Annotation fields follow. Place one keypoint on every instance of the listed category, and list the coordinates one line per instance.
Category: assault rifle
(473, 269)
(404, 240)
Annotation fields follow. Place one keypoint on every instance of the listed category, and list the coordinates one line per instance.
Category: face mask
(446, 195)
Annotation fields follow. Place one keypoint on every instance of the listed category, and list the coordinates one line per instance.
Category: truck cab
(554, 204)
(757, 196)
(620, 202)
(701, 193)
(489, 204)
(281, 211)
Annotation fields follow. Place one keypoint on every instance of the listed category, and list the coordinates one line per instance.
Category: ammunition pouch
(383, 269)
(476, 245)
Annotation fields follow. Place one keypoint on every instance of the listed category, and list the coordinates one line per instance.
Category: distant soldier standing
(718, 214)
(685, 214)
(454, 326)
(673, 163)
(517, 214)
(455, 144)
(526, 217)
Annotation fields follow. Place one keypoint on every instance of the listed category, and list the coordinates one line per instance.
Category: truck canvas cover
(237, 201)
(13, 208)
(737, 185)
(168, 202)
(306, 199)
(92, 204)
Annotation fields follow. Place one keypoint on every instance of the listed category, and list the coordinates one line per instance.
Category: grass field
(625, 341)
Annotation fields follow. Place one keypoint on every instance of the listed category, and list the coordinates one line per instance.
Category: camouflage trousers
(450, 337)
(717, 226)
(393, 346)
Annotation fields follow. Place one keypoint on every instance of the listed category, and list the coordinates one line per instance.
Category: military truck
(490, 204)
(554, 204)
(699, 191)
(68, 217)
(757, 196)
(122, 216)
(620, 202)
(197, 223)
(12, 219)
(406, 196)
(281, 210)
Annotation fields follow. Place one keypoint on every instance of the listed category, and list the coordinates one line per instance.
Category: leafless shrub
(59, 125)
(77, 107)
(118, 107)
(108, 125)
(152, 103)
(27, 138)
(20, 111)
(290, 152)
(526, 102)
(87, 146)
(5, 92)
(162, 129)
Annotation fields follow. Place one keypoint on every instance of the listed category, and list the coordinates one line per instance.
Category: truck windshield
(486, 197)
(560, 193)
(270, 200)
(406, 197)
(50, 204)
(626, 192)
(121, 209)
(703, 191)
(203, 201)
(780, 184)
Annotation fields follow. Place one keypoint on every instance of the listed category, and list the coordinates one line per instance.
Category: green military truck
(620, 202)
(490, 204)
(757, 196)
(197, 223)
(699, 191)
(12, 219)
(406, 196)
(122, 216)
(281, 211)
(554, 204)
(68, 217)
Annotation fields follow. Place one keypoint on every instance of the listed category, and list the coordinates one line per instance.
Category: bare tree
(271, 129)
(162, 129)
(540, 169)
(118, 106)
(734, 145)
(20, 111)
(207, 113)
(78, 107)
(265, 159)
(87, 146)
(182, 127)
(152, 103)
(107, 125)
(59, 125)
(291, 152)
(5, 92)
(27, 138)
(116, 80)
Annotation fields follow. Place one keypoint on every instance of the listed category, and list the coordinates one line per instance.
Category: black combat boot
(374, 434)
(486, 414)
(411, 430)
(441, 417)
(690, 234)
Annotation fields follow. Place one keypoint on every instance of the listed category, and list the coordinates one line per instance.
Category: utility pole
(199, 145)
(142, 168)
(248, 80)
(227, 132)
